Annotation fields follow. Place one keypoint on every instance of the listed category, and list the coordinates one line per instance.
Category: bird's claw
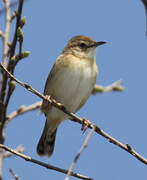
(48, 98)
(85, 125)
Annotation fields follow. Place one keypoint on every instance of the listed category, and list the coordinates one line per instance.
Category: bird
(70, 82)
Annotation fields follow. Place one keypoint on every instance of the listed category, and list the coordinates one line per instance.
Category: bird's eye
(83, 45)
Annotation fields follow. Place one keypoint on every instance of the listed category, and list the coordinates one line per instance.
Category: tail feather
(46, 143)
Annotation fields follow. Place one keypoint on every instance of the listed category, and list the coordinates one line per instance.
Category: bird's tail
(46, 143)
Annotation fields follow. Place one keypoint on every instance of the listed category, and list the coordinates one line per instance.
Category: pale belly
(72, 88)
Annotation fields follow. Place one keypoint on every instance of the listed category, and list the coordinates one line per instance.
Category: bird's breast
(74, 83)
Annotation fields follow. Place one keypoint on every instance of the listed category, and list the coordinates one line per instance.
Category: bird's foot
(48, 98)
(85, 125)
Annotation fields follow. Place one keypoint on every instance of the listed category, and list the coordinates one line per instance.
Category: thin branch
(48, 166)
(24, 109)
(5, 154)
(145, 5)
(128, 148)
(83, 147)
(15, 176)
(115, 86)
(2, 35)
(78, 119)
(5, 38)
(12, 50)
(7, 31)
(11, 66)
(1, 163)
(13, 45)
(3, 96)
(12, 5)
(8, 154)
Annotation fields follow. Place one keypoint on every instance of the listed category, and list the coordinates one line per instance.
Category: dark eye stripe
(83, 45)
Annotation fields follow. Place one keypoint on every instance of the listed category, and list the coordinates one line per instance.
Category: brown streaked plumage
(70, 82)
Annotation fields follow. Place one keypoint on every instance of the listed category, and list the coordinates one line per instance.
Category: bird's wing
(50, 85)
(47, 90)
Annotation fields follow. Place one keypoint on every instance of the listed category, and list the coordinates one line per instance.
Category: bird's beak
(95, 44)
(99, 43)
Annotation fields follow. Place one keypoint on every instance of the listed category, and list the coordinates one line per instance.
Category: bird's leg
(46, 104)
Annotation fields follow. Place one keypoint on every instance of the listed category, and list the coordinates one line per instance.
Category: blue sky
(123, 115)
